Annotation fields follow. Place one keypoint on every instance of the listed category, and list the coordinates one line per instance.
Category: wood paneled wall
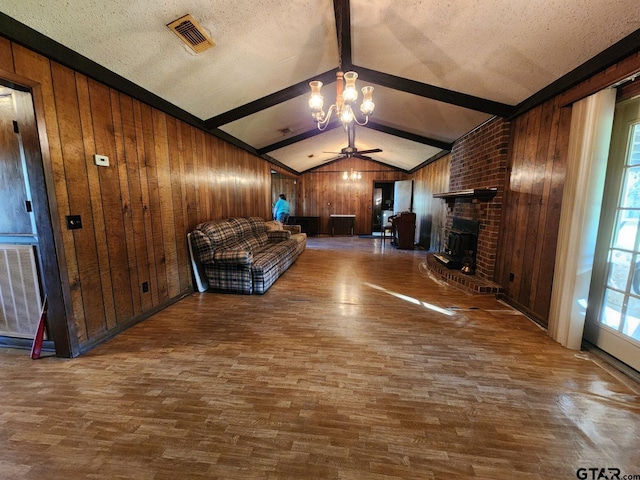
(287, 184)
(323, 192)
(431, 213)
(165, 177)
(531, 207)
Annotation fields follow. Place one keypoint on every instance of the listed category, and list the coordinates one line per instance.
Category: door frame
(51, 256)
(607, 339)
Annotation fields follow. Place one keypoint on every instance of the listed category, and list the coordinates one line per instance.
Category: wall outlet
(145, 287)
(74, 222)
(512, 277)
(101, 160)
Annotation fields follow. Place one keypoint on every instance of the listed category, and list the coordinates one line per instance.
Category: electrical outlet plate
(101, 160)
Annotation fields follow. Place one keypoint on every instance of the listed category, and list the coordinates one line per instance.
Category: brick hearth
(457, 278)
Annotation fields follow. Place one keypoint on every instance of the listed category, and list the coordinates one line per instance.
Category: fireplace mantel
(473, 193)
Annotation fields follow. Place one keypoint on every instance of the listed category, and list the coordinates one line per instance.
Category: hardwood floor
(354, 365)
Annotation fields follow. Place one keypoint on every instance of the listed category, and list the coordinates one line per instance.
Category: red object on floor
(36, 348)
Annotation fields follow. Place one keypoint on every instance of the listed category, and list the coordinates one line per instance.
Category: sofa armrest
(293, 228)
(276, 236)
(202, 248)
(233, 256)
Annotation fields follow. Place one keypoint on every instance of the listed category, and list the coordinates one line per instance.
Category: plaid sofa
(245, 255)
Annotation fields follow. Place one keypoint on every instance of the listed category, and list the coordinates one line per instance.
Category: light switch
(101, 160)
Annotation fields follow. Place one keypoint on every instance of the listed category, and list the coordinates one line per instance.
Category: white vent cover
(20, 301)
(191, 33)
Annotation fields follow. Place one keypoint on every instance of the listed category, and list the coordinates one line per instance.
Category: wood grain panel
(97, 207)
(158, 278)
(75, 169)
(552, 221)
(127, 216)
(531, 208)
(538, 211)
(37, 69)
(165, 177)
(178, 232)
(136, 205)
(323, 192)
(431, 213)
(523, 214)
(6, 55)
(287, 184)
(152, 293)
(165, 196)
(189, 177)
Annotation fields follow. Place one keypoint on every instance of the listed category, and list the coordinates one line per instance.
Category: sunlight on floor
(415, 301)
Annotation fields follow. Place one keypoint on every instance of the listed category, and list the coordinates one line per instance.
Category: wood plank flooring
(354, 365)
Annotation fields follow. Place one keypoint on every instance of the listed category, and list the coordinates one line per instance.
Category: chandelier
(346, 96)
(353, 176)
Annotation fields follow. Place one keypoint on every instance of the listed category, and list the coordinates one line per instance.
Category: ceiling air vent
(191, 33)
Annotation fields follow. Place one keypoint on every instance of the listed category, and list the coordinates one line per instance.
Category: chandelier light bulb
(347, 115)
(350, 93)
(346, 95)
(316, 100)
(367, 101)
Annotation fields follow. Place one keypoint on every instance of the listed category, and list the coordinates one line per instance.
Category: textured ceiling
(439, 68)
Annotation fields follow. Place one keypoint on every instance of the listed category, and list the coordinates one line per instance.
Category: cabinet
(404, 228)
(308, 225)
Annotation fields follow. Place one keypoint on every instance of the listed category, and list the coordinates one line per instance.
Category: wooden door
(403, 196)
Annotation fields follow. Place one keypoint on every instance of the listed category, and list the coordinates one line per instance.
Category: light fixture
(353, 176)
(346, 96)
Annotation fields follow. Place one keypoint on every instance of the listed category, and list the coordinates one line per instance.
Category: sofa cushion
(237, 256)
(273, 225)
(276, 236)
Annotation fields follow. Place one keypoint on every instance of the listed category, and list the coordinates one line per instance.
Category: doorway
(613, 311)
(29, 268)
(382, 204)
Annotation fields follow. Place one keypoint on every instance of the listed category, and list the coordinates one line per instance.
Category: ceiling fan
(351, 151)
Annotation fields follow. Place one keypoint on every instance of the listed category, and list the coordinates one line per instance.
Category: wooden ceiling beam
(435, 93)
(297, 138)
(410, 136)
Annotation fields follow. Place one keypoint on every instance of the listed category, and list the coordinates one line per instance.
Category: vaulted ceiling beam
(410, 136)
(271, 100)
(297, 138)
(342, 11)
(436, 93)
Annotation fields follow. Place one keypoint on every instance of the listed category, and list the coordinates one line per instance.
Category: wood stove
(462, 241)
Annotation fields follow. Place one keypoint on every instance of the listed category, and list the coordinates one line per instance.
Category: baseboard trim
(121, 327)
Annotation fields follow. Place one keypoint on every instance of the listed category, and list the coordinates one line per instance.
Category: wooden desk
(342, 223)
(308, 225)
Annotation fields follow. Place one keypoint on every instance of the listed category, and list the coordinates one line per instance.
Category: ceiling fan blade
(363, 157)
(373, 150)
(333, 159)
(336, 153)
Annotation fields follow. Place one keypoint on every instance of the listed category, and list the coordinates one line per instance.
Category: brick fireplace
(479, 165)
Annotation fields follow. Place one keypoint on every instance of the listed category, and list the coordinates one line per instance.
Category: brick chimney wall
(479, 160)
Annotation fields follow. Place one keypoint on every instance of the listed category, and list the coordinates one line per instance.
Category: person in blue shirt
(281, 209)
